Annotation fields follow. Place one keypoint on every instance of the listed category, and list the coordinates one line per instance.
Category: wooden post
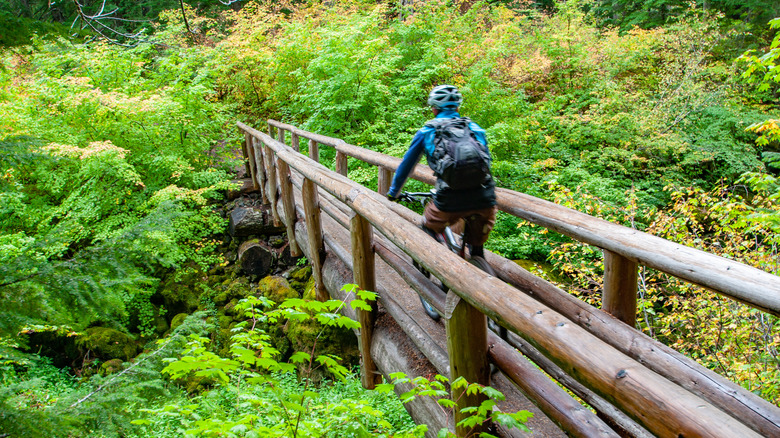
(280, 135)
(294, 142)
(270, 130)
(467, 345)
(314, 150)
(260, 173)
(245, 152)
(311, 210)
(271, 184)
(620, 287)
(385, 178)
(365, 278)
(249, 150)
(341, 163)
(288, 203)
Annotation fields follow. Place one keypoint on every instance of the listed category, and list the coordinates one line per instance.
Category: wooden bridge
(637, 386)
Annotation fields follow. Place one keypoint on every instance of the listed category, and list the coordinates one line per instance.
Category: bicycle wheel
(482, 264)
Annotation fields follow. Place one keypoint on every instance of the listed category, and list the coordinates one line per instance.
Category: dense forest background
(118, 143)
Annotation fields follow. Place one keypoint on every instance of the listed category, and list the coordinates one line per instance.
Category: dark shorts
(479, 222)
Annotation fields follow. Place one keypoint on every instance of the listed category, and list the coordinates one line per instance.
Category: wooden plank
(618, 297)
(467, 346)
(570, 418)
(341, 163)
(553, 400)
(365, 278)
(384, 179)
(271, 186)
(314, 230)
(288, 205)
(659, 405)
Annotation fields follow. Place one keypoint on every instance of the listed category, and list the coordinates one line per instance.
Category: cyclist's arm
(411, 158)
(479, 133)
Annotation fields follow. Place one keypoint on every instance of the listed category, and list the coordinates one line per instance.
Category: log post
(250, 148)
(311, 210)
(257, 148)
(245, 152)
(365, 278)
(294, 142)
(620, 287)
(341, 163)
(288, 204)
(280, 135)
(314, 150)
(385, 177)
(270, 130)
(468, 348)
(271, 184)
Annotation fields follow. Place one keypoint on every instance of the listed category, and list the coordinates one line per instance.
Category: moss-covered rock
(231, 289)
(276, 289)
(110, 367)
(178, 320)
(179, 292)
(298, 278)
(309, 291)
(55, 342)
(106, 344)
(338, 341)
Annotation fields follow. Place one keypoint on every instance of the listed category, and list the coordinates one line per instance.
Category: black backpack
(458, 158)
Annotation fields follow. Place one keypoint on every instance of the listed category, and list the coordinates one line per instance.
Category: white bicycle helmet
(445, 96)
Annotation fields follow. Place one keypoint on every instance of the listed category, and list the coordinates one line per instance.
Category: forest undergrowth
(114, 161)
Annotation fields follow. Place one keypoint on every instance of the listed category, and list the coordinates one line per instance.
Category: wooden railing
(635, 382)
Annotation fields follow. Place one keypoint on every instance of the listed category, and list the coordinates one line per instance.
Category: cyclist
(477, 206)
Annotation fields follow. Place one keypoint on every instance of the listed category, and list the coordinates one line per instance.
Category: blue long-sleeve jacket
(446, 198)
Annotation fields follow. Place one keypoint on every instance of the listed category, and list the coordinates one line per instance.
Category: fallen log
(254, 258)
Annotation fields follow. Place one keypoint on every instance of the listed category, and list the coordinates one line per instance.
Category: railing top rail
(580, 353)
(736, 280)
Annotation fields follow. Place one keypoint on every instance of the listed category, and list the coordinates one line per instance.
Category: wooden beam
(288, 205)
(245, 152)
(250, 151)
(314, 230)
(314, 151)
(260, 172)
(384, 179)
(620, 287)
(271, 187)
(365, 278)
(467, 346)
(294, 142)
(341, 163)
(280, 135)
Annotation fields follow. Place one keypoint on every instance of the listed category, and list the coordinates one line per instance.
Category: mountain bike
(457, 244)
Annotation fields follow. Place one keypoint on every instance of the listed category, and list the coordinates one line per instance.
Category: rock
(110, 367)
(309, 334)
(244, 187)
(106, 344)
(276, 289)
(177, 320)
(179, 294)
(57, 343)
(248, 221)
(254, 258)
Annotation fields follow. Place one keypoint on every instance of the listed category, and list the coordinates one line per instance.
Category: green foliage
(38, 399)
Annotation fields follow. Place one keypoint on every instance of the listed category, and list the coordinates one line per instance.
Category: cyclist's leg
(479, 223)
